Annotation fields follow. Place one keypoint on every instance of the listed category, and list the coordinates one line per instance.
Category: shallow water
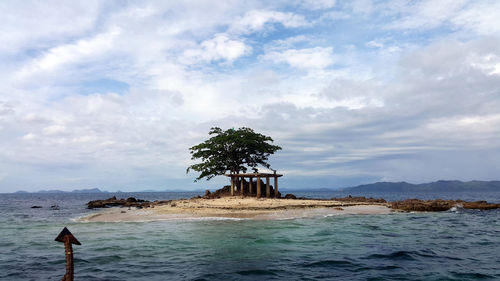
(454, 245)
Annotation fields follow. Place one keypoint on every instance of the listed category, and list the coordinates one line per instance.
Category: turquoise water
(454, 245)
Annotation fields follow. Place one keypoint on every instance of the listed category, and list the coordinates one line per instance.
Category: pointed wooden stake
(68, 239)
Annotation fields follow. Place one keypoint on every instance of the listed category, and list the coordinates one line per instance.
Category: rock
(111, 202)
(36, 207)
(481, 205)
(290, 196)
(440, 205)
(54, 207)
(207, 192)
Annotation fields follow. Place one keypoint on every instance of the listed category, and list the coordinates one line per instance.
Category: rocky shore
(440, 205)
(129, 202)
(418, 205)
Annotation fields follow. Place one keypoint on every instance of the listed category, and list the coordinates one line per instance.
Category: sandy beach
(237, 208)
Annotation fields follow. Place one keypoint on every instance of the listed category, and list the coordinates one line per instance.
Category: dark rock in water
(111, 202)
(481, 205)
(423, 205)
(290, 196)
(440, 205)
(36, 207)
(54, 207)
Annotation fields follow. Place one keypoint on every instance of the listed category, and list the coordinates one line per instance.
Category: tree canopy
(231, 150)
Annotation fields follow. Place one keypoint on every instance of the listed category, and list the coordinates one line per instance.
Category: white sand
(237, 208)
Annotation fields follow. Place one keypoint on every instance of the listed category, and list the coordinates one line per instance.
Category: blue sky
(111, 94)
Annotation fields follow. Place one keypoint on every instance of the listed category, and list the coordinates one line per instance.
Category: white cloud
(31, 24)
(427, 14)
(379, 112)
(60, 56)
(482, 18)
(289, 42)
(375, 44)
(318, 4)
(54, 130)
(256, 20)
(309, 58)
(220, 47)
(29, 136)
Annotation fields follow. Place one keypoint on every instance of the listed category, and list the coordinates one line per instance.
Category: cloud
(42, 23)
(308, 58)
(477, 16)
(82, 50)
(427, 14)
(220, 47)
(318, 4)
(257, 20)
(116, 100)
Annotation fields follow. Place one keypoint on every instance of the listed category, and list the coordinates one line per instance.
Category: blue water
(453, 245)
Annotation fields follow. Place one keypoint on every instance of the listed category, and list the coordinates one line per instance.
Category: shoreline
(237, 208)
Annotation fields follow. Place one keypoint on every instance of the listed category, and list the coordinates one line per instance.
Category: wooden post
(258, 187)
(232, 185)
(275, 186)
(241, 185)
(70, 268)
(250, 181)
(68, 239)
(268, 188)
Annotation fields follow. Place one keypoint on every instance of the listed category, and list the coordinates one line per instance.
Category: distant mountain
(51, 191)
(322, 189)
(89, 190)
(438, 186)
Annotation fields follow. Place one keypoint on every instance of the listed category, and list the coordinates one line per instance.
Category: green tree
(231, 150)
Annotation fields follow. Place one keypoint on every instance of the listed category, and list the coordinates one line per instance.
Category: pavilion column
(250, 181)
(241, 186)
(232, 186)
(276, 187)
(268, 188)
(258, 187)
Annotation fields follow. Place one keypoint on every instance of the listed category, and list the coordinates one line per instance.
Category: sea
(453, 245)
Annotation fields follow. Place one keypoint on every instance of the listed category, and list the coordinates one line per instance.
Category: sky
(111, 94)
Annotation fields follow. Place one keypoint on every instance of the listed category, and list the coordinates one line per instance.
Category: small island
(248, 196)
(237, 207)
